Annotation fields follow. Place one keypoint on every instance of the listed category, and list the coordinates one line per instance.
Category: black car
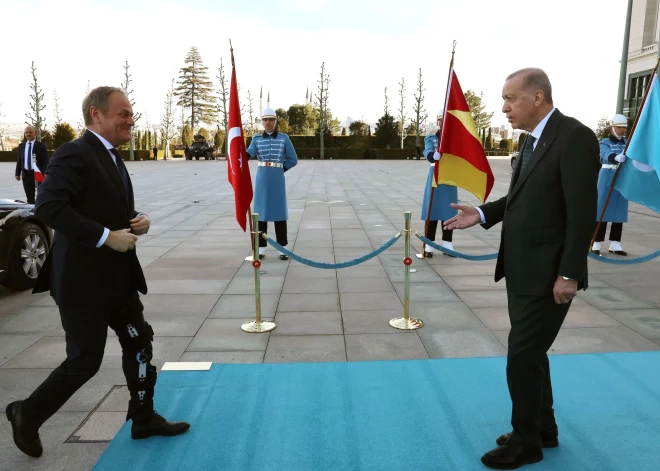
(24, 244)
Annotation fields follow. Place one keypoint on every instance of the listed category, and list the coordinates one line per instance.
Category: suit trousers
(447, 235)
(86, 332)
(280, 233)
(29, 185)
(535, 323)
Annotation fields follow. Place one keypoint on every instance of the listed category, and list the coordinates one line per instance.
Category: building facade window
(636, 88)
(650, 23)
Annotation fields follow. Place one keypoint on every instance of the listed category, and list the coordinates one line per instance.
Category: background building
(642, 52)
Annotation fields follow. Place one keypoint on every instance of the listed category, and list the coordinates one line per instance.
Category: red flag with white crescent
(38, 176)
(238, 171)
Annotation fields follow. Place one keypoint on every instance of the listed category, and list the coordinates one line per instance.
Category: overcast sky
(366, 45)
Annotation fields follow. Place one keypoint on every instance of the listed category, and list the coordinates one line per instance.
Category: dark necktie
(29, 158)
(122, 168)
(527, 151)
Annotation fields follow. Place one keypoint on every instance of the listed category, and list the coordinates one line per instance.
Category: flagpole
(233, 65)
(632, 131)
(428, 216)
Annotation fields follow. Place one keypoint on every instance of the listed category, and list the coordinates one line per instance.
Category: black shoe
(449, 255)
(619, 252)
(428, 254)
(596, 252)
(511, 456)
(157, 426)
(283, 257)
(548, 439)
(26, 438)
(261, 256)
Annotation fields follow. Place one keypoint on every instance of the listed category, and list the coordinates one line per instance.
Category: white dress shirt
(108, 146)
(536, 133)
(27, 156)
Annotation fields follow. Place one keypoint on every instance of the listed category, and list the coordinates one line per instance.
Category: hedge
(343, 142)
(10, 155)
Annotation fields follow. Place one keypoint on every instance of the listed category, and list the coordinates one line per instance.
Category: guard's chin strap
(616, 135)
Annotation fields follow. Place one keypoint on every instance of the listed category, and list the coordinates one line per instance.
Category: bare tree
(402, 109)
(322, 104)
(2, 130)
(167, 120)
(251, 113)
(418, 107)
(58, 110)
(223, 94)
(37, 105)
(136, 116)
(387, 103)
(240, 99)
(81, 124)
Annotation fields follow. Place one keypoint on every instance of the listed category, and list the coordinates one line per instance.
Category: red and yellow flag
(463, 162)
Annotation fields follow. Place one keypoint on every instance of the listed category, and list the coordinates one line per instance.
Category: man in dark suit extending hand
(93, 272)
(25, 163)
(546, 230)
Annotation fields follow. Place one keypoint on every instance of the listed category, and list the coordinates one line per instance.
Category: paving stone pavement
(201, 290)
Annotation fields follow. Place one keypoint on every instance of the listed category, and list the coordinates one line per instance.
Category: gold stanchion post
(257, 326)
(406, 322)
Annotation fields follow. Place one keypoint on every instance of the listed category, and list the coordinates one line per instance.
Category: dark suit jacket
(548, 215)
(81, 195)
(38, 148)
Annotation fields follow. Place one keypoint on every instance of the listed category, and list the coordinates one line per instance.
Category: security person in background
(276, 155)
(443, 196)
(611, 156)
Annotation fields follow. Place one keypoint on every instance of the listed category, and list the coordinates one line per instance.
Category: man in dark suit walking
(93, 272)
(25, 164)
(546, 231)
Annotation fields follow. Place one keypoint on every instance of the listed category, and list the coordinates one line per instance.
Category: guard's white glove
(620, 158)
(436, 156)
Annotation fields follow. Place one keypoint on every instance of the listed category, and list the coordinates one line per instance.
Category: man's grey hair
(99, 98)
(535, 79)
(29, 127)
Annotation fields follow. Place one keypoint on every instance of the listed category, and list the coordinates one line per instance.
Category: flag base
(258, 327)
(402, 323)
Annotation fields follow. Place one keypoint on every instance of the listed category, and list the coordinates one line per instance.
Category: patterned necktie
(121, 167)
(29, 156)
(527, 151)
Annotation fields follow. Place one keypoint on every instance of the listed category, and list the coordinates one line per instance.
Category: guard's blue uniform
(443, 194)
(617, 208)
(270, 187)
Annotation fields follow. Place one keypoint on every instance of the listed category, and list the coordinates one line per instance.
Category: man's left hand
(564, 290)
(140, 225)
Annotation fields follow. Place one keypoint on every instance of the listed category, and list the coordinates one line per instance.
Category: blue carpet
(395, 415)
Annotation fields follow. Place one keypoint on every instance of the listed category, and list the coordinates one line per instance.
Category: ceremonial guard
(276, 155)
(611, 156)
(443, 195)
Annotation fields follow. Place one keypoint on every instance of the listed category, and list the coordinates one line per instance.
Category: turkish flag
(238, 171)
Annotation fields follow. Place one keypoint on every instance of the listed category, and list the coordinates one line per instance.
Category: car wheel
(27, 254)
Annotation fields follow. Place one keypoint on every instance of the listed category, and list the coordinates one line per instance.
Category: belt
(270, 164)
(611, 166)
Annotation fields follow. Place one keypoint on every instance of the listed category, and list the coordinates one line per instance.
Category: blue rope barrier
(493, 256)
(331, 266)
(474, 258)
(625, 261)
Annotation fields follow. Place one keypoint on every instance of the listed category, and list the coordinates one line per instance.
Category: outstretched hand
(468, 216)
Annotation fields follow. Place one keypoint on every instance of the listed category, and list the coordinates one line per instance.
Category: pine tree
(195, 90)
